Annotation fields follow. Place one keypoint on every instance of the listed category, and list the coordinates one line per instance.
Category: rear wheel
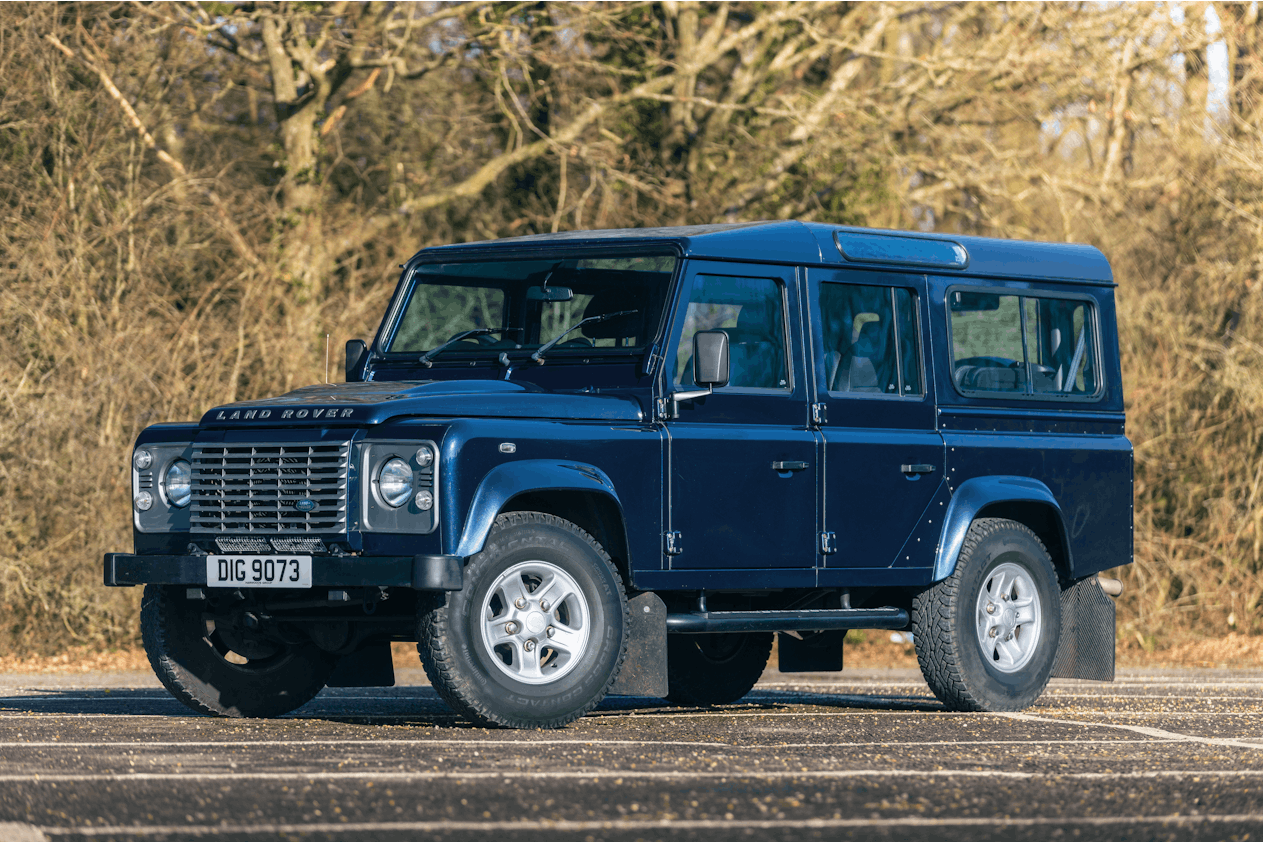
(715, 669)
(539, 632)
(212, 663)
(986, 636)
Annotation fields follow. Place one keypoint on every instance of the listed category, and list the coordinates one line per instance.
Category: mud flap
(813, 652)
(644, 670)
(1087, 632)
(368, 666)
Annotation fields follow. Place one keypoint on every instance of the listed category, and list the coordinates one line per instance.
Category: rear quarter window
(1020, 345)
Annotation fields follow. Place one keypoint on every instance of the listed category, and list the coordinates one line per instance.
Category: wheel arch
(1022, 499)
(580, 493)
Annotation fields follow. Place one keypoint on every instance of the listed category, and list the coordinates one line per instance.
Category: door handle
(789, 466)
(917, 469)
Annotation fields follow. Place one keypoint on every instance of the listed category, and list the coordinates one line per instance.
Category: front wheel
(211, 662)
(539, 632)
(986, 636)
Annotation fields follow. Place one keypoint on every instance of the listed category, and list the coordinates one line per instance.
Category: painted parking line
(683, 825)
(1157, 733)
(517, 776)
(578, 742)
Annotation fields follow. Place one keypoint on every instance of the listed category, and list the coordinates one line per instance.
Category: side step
(699, 622)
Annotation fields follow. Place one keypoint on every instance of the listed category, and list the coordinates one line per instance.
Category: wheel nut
(543, 605)
(990, 607)
(520, 602)
(550, 631)
(510, 628)
(992, 631)
(529, 646)
(1008, 636)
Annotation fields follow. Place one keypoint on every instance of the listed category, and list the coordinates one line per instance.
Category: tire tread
(434, 635)
(935, 635)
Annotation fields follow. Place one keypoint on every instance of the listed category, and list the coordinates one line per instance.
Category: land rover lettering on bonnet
(621, 462)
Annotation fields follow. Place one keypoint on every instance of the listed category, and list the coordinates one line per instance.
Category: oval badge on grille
(305, 505)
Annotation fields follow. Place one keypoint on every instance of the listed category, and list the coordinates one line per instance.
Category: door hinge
(671, 544)
(666, 409)
(828, 543)
(819, 414)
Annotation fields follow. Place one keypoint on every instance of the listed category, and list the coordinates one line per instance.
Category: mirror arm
(691, 395)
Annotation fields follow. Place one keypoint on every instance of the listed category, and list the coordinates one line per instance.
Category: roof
(815, 243)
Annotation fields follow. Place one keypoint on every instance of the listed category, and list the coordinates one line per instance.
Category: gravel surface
(862, 754)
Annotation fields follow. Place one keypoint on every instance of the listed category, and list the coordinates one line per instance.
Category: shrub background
(195, 194)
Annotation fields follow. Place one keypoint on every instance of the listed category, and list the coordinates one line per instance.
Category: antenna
(326, 359)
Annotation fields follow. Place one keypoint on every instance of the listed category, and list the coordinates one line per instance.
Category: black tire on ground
(189, 653)
(986, 636)
(715, 669)
(538, 634)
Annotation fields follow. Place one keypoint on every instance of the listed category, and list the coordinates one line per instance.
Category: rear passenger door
(883, 460)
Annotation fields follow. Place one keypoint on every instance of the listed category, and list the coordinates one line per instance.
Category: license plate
(258, 571)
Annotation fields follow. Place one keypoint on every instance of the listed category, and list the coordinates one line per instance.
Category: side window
(871, 342)
(1023, 344)
(752, 312)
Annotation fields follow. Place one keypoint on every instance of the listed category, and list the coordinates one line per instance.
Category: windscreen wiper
(427, 359)
(538, 356)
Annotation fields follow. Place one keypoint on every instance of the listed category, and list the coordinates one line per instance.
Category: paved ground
(857, 755)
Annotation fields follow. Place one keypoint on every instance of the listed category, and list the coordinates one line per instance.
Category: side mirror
(356, 357)
(710, 358)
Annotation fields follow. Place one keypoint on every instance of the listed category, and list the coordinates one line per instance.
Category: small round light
(177, 483)
(142, 459)
(394, 482)
(425, 501)
(425, 457)
(143, 501)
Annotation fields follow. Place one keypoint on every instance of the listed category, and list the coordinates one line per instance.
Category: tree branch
(230, 228)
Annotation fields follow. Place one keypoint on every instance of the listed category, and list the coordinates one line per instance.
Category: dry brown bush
(196, 194)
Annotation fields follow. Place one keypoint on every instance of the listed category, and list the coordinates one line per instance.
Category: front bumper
(420, 572)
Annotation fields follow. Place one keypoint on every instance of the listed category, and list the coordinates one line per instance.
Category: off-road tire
(462, 667)
(944, 622)
(189, 665)
(715, 669)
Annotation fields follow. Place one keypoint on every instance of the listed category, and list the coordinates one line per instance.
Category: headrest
(615, 300)
(871, 342)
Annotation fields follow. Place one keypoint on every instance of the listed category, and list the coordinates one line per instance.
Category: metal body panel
(742, 464)
(869, 438)
(504, 482)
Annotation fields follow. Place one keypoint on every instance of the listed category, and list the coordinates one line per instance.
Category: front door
(742, 462)
(883, 456)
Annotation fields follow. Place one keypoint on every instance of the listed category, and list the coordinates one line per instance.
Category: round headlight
(394, 482)
(142, 459)
(177, 483)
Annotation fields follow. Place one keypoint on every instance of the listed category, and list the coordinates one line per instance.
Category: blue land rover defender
(603, 462)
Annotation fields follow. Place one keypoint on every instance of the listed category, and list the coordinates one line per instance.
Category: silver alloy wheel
(1008, 617)
(535, 622)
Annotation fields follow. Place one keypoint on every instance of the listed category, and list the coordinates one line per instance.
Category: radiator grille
(254, 487)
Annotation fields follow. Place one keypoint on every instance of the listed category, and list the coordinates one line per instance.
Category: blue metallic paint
(970, 498)
(504, 482)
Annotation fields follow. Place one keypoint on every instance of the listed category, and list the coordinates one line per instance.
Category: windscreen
(583, 305)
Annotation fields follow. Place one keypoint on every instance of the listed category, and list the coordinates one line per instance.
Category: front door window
(752, 312)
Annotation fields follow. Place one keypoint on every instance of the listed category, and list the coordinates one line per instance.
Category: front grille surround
(253, 488)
